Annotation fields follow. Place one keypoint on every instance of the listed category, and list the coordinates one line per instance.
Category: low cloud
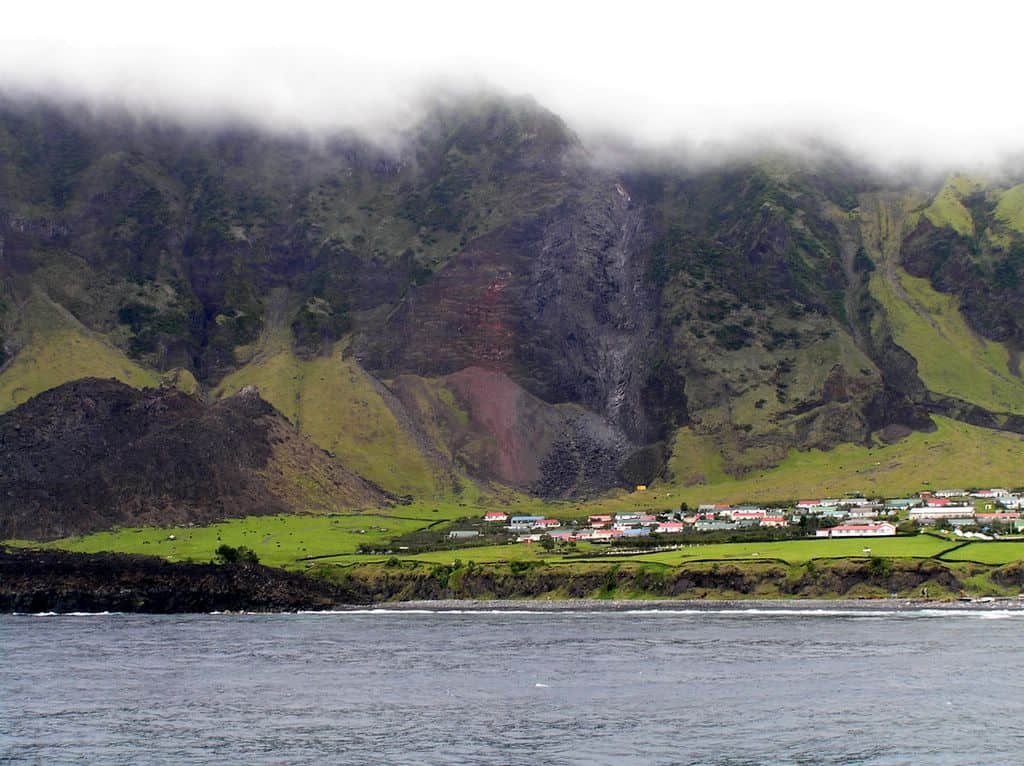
(935, 84)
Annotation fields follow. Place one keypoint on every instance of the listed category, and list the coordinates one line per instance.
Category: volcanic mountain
(490, 302)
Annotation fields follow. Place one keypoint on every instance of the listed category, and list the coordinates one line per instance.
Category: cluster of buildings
(833, 517)
(960, 508)
(603, 528)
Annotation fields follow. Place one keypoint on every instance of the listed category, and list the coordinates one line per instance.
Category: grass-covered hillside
(483, 311)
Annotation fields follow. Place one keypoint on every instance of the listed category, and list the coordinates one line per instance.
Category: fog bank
(933, 83)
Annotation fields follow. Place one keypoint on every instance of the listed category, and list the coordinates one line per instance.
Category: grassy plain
(303, 541)
(280, 541)
(996, 552)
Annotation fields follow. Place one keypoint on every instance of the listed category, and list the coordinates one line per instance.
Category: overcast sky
(940, 82)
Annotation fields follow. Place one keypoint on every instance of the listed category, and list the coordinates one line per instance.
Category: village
(980, 514)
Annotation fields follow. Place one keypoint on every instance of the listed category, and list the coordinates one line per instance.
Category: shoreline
(699, 605)
(48, 581)
(821, 607)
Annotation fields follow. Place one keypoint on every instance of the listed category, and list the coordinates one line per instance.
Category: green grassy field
(799, 551)
(278, 540)
(288, 541)
(285, 540)
(996, 552)
(791, 551)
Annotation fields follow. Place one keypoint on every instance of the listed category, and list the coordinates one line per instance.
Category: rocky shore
(706, 605)
(57, 581)
(33, 581)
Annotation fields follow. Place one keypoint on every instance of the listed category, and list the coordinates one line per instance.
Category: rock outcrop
(95, 454)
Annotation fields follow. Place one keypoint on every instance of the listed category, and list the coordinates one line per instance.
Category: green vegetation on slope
(1010, 209)
(58, 349)
(956, 454)
(341, 408)
(951, 358)
(948, 210)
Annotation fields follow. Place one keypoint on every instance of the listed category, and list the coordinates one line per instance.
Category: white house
(773, 521)
(947, 512)
(882, 529)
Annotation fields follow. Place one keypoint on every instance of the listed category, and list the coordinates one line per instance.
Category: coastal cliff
(57, 581)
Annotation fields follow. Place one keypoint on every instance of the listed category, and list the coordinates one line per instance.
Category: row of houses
(847, 517)
(602, 528)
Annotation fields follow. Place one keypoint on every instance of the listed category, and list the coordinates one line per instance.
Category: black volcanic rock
(94, 454)
(58, 581)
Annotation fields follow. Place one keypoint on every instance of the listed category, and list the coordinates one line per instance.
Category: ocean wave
(66, 614)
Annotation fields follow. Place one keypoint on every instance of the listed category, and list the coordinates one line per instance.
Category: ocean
(667, 686)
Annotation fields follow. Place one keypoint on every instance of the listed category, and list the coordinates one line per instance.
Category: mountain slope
(94, 454)
(486, 303)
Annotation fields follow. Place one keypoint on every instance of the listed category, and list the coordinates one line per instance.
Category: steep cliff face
(559, 303)
(765, 304)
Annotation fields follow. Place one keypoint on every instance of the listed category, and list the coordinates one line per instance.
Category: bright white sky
(939, 82)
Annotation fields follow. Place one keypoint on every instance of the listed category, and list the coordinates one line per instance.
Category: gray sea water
(666, 687)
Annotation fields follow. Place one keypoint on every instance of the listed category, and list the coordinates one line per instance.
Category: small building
(881, 529)
(868, 511)
(463, 534)
(547, 524)
(524, 522)
(1007, 517)
(945, 512)
(773, 521)
(641, 487)
(496, 516)
(903, 503)
(708, 525)
(833, 512)
(599, 520)
(714, 508)
(670, 527)
(755, 514)
(986, 493)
